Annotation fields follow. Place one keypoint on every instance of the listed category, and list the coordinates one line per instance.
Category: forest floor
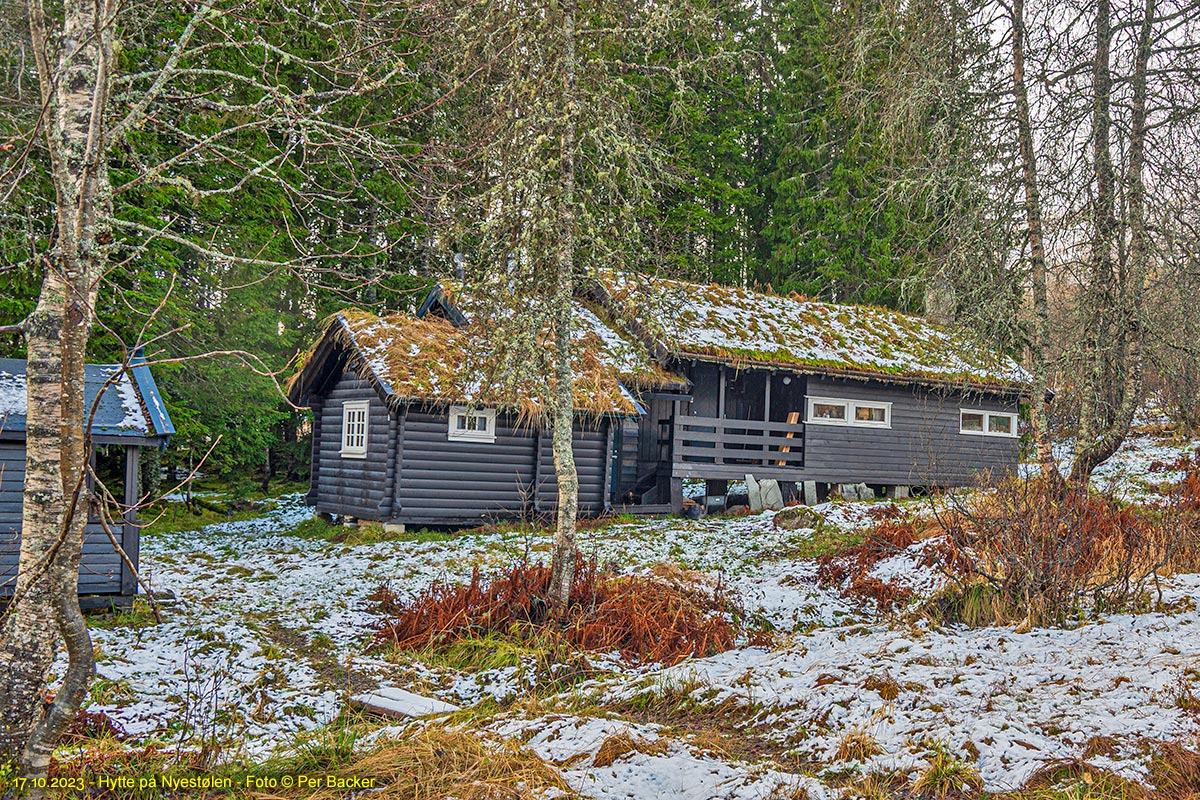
(269, 638)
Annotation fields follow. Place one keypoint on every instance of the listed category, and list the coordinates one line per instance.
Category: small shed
(409, 428)
(130, 416)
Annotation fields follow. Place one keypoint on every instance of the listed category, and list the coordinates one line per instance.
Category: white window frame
(354, 441)
(987, 423)
(455, 435)
(851, 407)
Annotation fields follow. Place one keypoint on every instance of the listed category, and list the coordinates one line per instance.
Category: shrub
(663, 617)
(1048, 555)
(848, 569)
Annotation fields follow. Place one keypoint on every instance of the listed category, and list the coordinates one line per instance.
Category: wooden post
(719, 459)
(314, 478)
(606, 487)
(129, 530)
(721, 394)
(766, 417)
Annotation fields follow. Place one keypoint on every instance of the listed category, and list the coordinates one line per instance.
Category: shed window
(861, 413)
(355, 414)
(978, 422)
(472, 424)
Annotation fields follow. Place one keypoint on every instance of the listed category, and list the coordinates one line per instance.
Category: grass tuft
(948, 777)
(858, 745)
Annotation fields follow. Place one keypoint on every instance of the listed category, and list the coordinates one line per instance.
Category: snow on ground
(1019, 699)
(660, 767)
(269, 634)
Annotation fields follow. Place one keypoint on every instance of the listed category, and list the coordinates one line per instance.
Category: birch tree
(1114, 93)
(1083, 123)
(108, 154)
(556, 175)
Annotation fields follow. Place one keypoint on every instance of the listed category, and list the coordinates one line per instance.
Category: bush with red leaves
(645, 618)
(849, 569)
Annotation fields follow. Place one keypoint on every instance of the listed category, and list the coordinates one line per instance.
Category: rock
(855, 491)
(797, 518)
(810, 493)
(692, 511)
(755, 493)
(392, 701)
(772, 496)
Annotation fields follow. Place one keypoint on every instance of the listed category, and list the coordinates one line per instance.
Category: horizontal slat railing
(739, 441)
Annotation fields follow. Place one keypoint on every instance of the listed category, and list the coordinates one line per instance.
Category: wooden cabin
(407, 430)
(815, 395)
(695, 382)
(130, 416)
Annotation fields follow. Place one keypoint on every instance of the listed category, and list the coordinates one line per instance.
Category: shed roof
(129, 408)
(430, 359)
(737, 325)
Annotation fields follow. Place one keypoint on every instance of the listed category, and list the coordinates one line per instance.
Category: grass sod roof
(430, 360)
(742, 326)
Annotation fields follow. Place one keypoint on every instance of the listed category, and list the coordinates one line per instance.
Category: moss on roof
(739, 325)
(428, 359)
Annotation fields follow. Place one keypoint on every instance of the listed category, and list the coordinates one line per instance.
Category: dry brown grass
(857, 745)
(619, 745)
(1097, 782)
(432, 764)
(1175, 771)
(438, 763)
(663, 618)
(947, 777)
(884, 685)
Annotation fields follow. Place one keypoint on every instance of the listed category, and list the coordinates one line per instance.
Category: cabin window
(472, 424)
(354, 428)
(861, 413)
(978, 422)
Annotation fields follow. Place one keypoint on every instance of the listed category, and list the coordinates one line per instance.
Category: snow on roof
(120, 412)
(729, 323)
(429, 359)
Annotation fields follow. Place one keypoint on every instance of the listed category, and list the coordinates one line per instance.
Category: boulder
(772, 496)
(755, 493)
(797, 518)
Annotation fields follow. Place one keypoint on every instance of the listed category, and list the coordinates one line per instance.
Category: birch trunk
(1040, 348)
(74, 87)
(27, 637)
(1100, 444)
(563, 410)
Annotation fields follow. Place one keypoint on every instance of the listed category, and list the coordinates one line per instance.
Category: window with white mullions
(855, 413)
(472, 424)
(355, 416)
(980, 422)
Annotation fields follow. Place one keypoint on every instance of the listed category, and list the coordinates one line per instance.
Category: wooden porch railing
(742, 442)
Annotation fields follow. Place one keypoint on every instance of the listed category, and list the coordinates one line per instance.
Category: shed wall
(923, 446)
(356, 487)
(101, 568)
(444, 482)
(590, 444)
